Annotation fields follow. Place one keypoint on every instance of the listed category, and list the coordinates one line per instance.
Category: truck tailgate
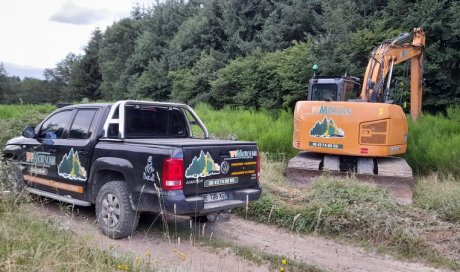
(210, 169)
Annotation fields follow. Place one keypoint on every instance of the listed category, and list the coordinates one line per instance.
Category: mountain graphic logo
(202, 166)
(70, 167)
(326, 129)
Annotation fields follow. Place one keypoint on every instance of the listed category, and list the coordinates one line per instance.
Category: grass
(348, 209)
(434, 144)
(274, 261)
(439, 194)
(31, 243)
(14, 118)
(273, 133)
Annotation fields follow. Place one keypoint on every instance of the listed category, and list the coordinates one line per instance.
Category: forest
(248, 54)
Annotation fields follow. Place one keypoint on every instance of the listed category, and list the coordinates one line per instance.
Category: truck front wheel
(114, 214)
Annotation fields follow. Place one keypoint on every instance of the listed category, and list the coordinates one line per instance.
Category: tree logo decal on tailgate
(203, 166)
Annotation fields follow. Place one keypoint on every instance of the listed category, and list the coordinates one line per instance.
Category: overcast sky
(40, 33)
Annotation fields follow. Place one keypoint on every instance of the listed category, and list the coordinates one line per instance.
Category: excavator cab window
(352, 90)
(324, 92)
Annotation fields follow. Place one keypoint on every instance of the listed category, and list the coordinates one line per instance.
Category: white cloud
(30, 38)
(72, 14)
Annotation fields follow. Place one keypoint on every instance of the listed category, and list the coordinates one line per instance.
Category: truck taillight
(258, 167)
(172, 177)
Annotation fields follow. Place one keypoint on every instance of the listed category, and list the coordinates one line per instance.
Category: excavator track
(392, 173)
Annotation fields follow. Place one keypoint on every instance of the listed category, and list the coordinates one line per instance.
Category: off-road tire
(113, 210)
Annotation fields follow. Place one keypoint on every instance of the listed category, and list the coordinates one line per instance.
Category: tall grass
(13, 119)
(273, 133)
(18, 111)
(434, 143)
(32, 243)
(346, 208)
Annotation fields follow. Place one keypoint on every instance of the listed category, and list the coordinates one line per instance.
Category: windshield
(146, 121)
(322, 92)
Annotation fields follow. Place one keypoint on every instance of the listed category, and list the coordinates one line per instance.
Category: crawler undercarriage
(392, 173)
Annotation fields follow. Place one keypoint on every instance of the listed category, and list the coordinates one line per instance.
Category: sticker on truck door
(202, 166)
(71, 168)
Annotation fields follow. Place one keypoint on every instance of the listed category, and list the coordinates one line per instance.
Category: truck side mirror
(29, 132)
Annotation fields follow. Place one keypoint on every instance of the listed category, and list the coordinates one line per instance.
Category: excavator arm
(380, 68)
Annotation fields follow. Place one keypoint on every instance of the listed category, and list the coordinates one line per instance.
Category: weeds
(439, 194)
(345, 208)
(434, 144)
(31, 243)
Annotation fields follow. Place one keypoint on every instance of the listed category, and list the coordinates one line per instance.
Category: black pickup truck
(135, 156)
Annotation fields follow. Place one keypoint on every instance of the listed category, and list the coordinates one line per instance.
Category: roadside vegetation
(343, 208)
(434, 143)
(355, 211)
(29, 242)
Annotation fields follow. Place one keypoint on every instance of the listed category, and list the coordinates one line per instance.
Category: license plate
(214, 197)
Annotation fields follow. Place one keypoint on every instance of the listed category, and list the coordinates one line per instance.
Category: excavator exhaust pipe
(392, 173)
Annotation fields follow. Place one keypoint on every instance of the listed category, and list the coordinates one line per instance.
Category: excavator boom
(381, 63)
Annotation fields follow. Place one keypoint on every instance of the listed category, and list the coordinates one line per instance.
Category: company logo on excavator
(331, 110)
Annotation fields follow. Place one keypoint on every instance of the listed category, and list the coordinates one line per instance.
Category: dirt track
(182, 255)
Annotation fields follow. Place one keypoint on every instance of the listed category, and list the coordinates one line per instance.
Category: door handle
(52, 150)
(82, 152)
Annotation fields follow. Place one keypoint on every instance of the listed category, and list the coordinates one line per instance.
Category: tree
(85, 76)
(4, 88)
(116, 47)
(59, 78)
(291, 20)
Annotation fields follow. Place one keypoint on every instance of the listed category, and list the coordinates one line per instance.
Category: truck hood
(21, 140)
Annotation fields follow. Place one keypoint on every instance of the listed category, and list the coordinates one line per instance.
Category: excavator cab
(345, 88)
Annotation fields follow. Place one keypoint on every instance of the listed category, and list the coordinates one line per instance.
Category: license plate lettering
(213, 197)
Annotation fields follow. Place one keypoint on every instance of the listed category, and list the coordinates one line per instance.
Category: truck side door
(75, 150)
(40, 159)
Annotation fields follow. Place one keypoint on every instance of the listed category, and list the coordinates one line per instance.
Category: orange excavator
(345, 127)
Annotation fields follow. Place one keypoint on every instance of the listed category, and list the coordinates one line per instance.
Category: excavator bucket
(392, 173)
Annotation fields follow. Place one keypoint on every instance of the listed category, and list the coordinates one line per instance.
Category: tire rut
(182, 255)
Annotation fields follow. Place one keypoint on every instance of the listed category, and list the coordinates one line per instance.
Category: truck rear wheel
(114, 214)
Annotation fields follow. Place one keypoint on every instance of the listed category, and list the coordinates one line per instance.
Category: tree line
(248, 53)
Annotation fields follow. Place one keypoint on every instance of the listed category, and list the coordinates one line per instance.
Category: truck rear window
(154, 122)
